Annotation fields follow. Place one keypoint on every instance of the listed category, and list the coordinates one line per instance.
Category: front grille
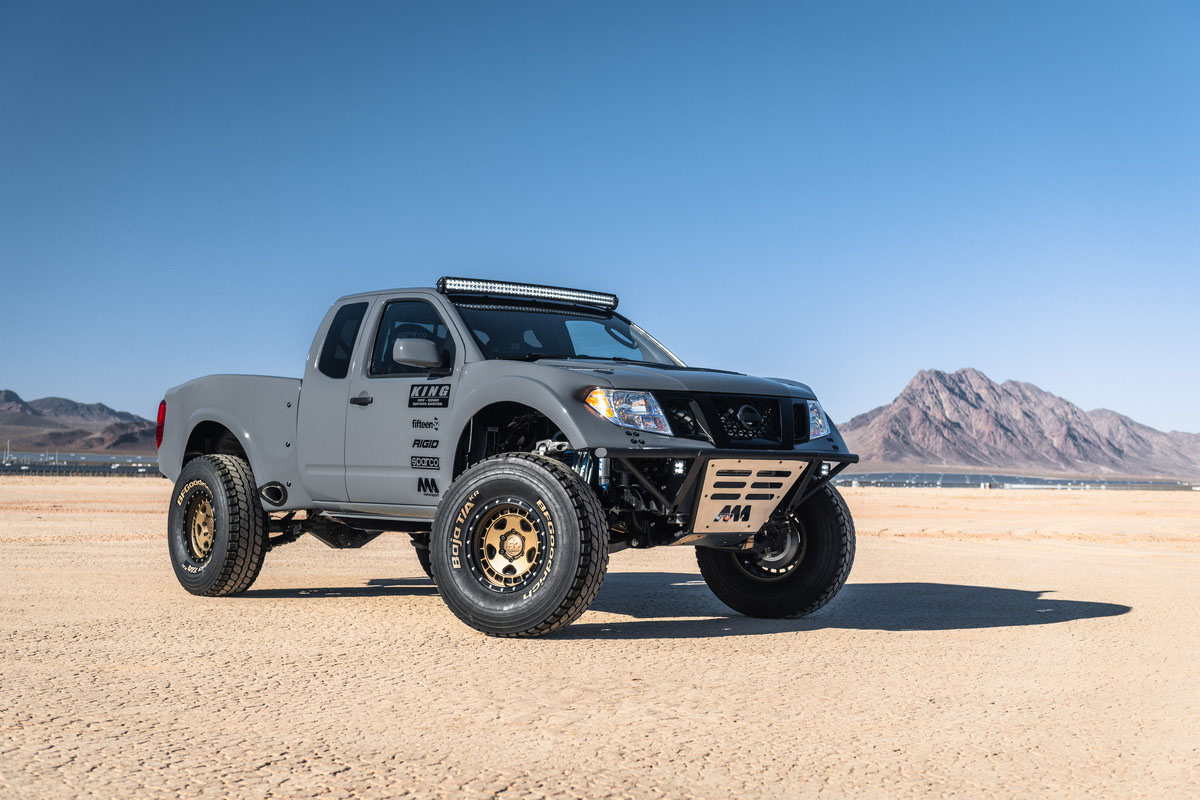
(726, 420)
(744, 419)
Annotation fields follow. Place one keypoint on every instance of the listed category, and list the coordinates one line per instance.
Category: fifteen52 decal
(426, 462)
(429, 395)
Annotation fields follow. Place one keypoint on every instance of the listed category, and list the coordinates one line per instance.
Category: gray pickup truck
(519, 434)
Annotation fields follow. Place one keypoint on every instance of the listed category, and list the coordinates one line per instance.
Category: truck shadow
(376, 587)
(653, 597)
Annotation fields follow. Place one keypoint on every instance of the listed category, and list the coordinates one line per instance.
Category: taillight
(158, 426)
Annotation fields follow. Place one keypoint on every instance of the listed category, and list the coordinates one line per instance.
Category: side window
(339, 342)
(408, 319)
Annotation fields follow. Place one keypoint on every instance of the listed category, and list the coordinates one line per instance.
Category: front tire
(216, 528)
(800, 575)
(519, 546)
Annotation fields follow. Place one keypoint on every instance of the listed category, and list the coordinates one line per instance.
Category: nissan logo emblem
(750, 417)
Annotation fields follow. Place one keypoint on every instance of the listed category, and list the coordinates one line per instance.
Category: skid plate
(739, 494)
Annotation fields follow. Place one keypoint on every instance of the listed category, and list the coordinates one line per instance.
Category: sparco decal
(427, 486)
(429, 395)
(424, 444)
(738, 513)
(426, 462)
(426, 424)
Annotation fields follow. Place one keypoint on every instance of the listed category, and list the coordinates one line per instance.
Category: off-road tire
(823, 565)
(574, 553)
(420, 543)
(239, 531)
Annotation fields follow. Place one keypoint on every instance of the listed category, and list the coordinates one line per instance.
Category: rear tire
(216, 527)
(519, 546)
(420, 543)
(810, 568)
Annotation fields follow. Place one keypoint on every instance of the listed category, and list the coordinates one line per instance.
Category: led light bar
(531, 290)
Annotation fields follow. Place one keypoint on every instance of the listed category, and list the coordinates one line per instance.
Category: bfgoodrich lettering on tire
(216, 527)
(519, 546)
(807, 564)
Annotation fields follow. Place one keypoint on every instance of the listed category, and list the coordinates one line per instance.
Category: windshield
(529, 333)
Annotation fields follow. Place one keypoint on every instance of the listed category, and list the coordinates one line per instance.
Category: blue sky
(842, 193)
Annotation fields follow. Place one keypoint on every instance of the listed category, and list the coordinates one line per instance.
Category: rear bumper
(684, 499)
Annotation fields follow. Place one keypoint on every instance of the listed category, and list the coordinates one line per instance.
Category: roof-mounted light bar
(531, 290)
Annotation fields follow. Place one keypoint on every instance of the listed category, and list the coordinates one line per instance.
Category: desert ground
(989, 644)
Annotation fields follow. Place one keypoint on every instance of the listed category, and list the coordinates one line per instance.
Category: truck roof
(403, 290)
(484, 287)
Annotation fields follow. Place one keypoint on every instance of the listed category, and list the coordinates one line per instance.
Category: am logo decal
(738, 513)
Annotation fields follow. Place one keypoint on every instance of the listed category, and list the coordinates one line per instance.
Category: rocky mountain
(56, 423)
(11, 403)
(83, 415)
(965, 419)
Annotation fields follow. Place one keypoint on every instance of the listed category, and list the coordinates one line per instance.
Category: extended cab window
(408, 319)
(339, 342)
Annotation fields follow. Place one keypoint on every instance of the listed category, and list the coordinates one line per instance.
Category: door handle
(363, 399)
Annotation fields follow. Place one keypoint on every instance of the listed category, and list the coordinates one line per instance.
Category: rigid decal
(429, 395)
(424, 444)
(426, 462)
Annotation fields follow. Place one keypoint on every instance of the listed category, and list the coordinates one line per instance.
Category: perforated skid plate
(739, 494)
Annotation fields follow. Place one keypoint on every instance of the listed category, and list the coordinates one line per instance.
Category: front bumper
(692, 500)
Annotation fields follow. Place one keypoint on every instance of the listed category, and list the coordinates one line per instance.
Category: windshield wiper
(533, 356)
(581, 357)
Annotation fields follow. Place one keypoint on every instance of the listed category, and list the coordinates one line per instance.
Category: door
(397, 450)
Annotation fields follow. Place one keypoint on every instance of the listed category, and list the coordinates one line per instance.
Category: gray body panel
(335, 456)
(260, 411)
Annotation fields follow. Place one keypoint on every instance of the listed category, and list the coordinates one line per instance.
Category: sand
(989, 644)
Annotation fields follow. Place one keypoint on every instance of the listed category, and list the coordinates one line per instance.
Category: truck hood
(622, 375)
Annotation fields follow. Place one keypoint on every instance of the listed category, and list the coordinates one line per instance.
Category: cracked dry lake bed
(989, 644)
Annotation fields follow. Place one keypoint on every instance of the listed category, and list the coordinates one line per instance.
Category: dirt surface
(989, 644)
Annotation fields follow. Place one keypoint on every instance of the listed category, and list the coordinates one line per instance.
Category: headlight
(818, 423)
(629, 409)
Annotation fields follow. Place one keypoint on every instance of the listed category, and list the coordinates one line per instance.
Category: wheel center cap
(513, 545)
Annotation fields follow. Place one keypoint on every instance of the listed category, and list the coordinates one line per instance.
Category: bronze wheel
(506, 544)
(198, 520)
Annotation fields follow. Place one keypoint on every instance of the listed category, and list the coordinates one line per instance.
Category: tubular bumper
(683, 505)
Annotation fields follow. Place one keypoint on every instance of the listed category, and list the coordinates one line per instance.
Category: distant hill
(965, 419)
(56, 423)
(84, 415)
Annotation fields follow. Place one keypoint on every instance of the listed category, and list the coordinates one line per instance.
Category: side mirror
(420, 353)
